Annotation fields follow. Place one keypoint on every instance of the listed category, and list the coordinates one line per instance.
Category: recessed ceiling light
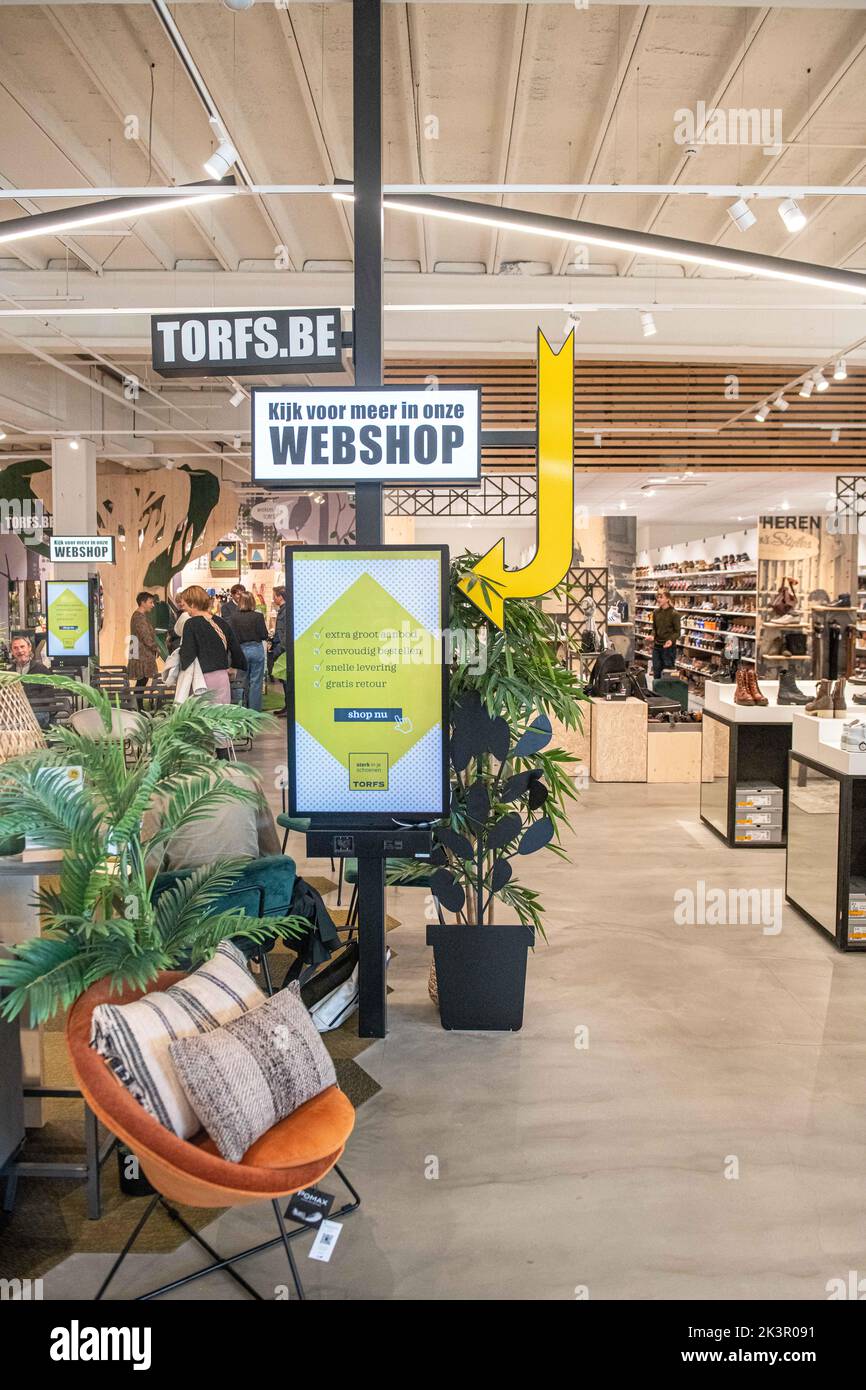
(741, 215)
(840, 371)
(648, 324)
(807, 388)
(792, 215)
(622, 506)
(650, 492)
(786, 506)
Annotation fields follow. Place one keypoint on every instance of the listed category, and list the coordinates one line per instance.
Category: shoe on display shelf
(758, 697)
(789, 691)
(743, 693)
(854, 736)
(838, 698)
(821, 704)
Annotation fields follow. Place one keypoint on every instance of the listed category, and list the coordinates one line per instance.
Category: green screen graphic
(368, 699)
(68, 607)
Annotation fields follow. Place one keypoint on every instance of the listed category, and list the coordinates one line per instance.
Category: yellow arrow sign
(489, 583)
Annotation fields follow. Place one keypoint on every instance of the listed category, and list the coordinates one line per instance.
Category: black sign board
(247, 342)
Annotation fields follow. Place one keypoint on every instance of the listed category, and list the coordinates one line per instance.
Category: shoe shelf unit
(744, 750)
(713, 604)
(825, 871)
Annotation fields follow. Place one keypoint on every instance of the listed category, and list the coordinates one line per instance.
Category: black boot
(789, 691)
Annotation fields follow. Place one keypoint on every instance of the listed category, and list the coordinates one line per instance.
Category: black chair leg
(266, 971)
(340, 884)
(296, 1278)
(353, 902)
(285, 841)
(127, 1247)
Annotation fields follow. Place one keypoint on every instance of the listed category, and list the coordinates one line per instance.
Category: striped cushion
(135, 1038)
(243, 1078)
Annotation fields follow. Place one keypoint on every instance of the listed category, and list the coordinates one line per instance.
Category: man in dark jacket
(666, 631)
(25, 663)
(230, 607)
(278, 643)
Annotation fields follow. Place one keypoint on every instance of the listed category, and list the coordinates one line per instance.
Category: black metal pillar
(369, 359)
(367, 139)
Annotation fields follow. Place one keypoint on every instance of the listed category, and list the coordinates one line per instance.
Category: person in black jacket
(249, 628)
(212, 642)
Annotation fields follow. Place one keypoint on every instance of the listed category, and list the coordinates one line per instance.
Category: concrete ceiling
(93, 96)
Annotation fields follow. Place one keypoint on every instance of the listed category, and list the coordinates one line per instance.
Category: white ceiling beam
(29, 256)
(82, 36)
(336, 160)
(852, 57)
(407, 47)
(523, 33)
(743, 44)
(632, 49)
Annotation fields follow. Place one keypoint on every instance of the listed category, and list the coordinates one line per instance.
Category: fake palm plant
(509, 788)
(102, 920)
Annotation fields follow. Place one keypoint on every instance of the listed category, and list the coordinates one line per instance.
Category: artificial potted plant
(509, 797)
(104, 920)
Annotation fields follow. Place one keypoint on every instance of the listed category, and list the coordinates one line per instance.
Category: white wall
(478, 534)
(661, 544)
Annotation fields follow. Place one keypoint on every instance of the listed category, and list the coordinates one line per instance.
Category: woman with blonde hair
(211, 641)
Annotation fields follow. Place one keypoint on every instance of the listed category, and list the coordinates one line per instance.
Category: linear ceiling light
(622, 239)
(114, 210)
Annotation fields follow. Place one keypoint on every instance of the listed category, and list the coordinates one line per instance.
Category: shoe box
(857, 909)
(758, 814)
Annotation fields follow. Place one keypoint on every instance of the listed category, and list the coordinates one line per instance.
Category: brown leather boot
(838, 698)
(742, 694)
(822, 704)
(754, 688)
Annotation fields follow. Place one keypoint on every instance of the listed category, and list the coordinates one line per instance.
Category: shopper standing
(250, 630)
(666, 631)
(212, 642)
(143, 651)
(278, 644)
(229, 609)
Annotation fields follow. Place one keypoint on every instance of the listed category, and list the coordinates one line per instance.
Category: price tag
(327, 1236)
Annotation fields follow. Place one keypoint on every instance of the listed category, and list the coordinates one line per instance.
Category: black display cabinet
(826, 847)
(748, 754)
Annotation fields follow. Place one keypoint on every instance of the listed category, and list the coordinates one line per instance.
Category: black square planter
(480, 975)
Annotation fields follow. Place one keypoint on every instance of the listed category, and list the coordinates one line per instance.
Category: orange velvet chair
(297, 1152)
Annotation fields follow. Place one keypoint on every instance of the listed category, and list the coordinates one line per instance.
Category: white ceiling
(496, 93)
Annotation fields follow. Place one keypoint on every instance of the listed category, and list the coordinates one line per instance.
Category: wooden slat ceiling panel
(678, 397)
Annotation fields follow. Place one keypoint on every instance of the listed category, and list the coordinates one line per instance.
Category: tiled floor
(708, 1141)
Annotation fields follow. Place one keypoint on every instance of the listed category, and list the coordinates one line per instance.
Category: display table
(825, 870)
(618, 740)
(746, 746)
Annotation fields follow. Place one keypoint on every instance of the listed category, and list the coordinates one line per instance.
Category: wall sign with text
(94, 550)
(248, 342)
(368, 727)
(395, 435)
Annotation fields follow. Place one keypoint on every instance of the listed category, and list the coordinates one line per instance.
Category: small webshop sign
(395, 435)
(248, 342)
(92, 550)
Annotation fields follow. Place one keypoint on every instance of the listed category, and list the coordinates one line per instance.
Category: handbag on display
(786, 599)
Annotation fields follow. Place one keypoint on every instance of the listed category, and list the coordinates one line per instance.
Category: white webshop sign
(391, 435)
(95, 550)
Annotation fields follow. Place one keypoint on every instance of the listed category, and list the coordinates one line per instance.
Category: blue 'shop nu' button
(368, 716)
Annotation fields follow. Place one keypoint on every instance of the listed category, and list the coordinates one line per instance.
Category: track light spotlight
(806, 388)
(741, 215)
(834, 435)
(762, 412)
(840, 371)
(237, 398)
(572, 321)
(821, 382)
(792, 215)
(779, 402)
(225, 154)
(648, 324)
